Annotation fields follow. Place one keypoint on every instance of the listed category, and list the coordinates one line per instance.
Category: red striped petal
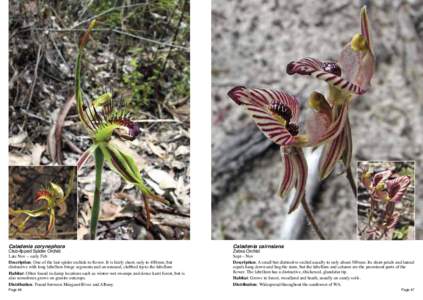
(397, 188)
(289, 175)
(315, 68)
(381, 176)
(300, 167)
(347, 155)
(84, 157)
(332, 152)
(257, 103)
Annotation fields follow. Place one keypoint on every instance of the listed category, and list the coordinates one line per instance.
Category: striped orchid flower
(386, 189)
(102, 120)
(347, 78)
(277, 115)
(51, 198)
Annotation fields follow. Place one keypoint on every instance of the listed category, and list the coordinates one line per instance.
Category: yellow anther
(316, 101)
(301, 139)
(279, 119)
(359, 43)
(366, 175)
(92, 24)
(380, 186)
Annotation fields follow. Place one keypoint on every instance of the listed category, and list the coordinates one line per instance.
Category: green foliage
(156, 77)
(400, 234)
(147, 73)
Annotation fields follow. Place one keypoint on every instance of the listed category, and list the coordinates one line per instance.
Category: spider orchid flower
(347, 78)
(51, 197)
(102, 120)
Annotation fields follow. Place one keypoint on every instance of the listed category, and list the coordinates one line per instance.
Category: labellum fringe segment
(276, 113)
(102, 120)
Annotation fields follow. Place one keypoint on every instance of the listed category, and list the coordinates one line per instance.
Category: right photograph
(301, 92)
(385, 204)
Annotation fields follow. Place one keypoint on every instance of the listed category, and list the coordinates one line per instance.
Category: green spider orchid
(102, 120)
(52, 197)
(277, 115)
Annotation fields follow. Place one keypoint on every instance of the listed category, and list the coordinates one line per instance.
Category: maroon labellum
(332, 67)
(281, 109)
(293, 129)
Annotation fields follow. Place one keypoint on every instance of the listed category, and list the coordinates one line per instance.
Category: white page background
(208, 264)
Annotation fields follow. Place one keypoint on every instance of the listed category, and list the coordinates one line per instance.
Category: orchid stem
(350, 178)
(99, 160)
(311, 218)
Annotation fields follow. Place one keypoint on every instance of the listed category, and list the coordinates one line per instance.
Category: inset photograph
(386, 200)
(42, 203)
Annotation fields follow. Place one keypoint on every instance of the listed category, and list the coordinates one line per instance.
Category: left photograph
(42, 203)
(103, 87)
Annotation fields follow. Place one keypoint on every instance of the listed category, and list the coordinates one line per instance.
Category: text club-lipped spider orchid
(102, 119)
(386, 189)
(277, 114)
(347, 78)
(51, 198)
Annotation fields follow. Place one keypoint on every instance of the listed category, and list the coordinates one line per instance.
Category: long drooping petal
(392, 220)
(289, 175)
(324, 71)
(300, 166)
(78, 91)
(332, 152)
(85, 156)
(347, 155)
(397, 188)
(259, 103)
(52, 220)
